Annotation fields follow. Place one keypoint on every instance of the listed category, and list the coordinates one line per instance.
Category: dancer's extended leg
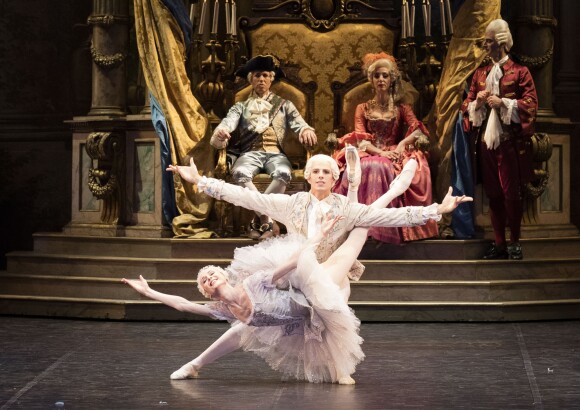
(339, 263)
(227, 343)
(398, 186)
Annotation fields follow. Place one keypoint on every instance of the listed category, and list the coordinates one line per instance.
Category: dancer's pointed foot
(346, 380)
(187, 371)
(353, 170)
(254, 230)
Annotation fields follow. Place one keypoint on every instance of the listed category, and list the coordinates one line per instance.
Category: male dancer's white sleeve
(274, 205)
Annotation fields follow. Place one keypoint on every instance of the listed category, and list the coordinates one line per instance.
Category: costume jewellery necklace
(382, 107)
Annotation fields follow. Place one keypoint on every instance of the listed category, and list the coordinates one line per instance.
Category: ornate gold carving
(535, 188)
(541, 152)
(107, 61)
(107, 19)
(105, 181)
(323, 24)
(535, 62)
(541, 147)
(538, 21)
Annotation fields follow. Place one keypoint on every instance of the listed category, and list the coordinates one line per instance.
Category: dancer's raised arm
(273, 205)
(176, 302)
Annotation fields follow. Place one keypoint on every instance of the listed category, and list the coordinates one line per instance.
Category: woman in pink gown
(385, 133)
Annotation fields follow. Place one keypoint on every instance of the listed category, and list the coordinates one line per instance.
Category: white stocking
(339, 263)
(227, 343)
(398, 186)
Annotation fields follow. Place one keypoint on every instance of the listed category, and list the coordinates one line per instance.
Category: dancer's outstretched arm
(274, 205)
(176, 302)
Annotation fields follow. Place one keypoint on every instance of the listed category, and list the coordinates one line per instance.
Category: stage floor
(126, 365)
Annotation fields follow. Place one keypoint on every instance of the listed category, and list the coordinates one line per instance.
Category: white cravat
(493, 129)
(315, 214)
(257, 111)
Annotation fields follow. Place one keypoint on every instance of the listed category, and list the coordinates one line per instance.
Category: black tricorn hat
(261, 63)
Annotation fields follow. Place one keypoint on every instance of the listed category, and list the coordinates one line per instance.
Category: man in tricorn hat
(262, 121)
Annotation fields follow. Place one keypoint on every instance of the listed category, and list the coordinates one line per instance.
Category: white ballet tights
(227, 343)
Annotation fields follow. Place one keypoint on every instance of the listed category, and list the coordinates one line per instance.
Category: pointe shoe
(353, 170)
(404, 179)
(267, 230)
(255, 231)
(187, 371)
(346, 380)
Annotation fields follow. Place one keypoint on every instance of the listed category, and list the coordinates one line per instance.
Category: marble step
(367, 290)
(223, 248)
(186, 268)
(399, 311)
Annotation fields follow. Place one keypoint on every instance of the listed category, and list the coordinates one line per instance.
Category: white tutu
(327, 345)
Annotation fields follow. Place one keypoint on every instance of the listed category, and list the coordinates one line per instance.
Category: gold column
(534, 46)
(109, 47)
(567, 89)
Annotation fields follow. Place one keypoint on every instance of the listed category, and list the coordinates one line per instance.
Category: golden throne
(357, 90)
(301, 94)
(318, 42)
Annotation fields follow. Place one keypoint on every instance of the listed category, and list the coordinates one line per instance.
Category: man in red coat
(500, 110)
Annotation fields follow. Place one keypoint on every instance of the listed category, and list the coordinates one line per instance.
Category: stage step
(402, 311)
(363, 290)
(80, 276)
(224, 248)
(30, 262)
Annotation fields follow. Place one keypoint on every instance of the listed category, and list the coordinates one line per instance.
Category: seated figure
(385, 132)
(261, 122)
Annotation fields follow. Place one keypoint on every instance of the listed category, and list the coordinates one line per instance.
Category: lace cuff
(417, 134)
(430, 212)
(215, 141)
(509, 113)
(420, 215)
(362, 145)
(476, 115)
(211, 186)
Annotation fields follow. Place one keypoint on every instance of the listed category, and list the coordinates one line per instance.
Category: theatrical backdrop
(97, 97)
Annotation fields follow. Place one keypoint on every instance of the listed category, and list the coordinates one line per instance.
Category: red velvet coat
(516, 83)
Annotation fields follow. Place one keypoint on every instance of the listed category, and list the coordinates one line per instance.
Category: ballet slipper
(398, 186)
(187, 371)
(404, 179)
(353, 170)
(346, 380)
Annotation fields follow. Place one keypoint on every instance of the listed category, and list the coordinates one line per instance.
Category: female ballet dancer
(307, 332)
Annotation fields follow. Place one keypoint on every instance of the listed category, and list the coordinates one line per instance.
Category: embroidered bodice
(270, 306)
(386, 130)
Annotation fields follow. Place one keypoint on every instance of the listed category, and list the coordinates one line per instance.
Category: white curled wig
(207, 269)
(372, 62)
(502, 33)
(322, 158)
